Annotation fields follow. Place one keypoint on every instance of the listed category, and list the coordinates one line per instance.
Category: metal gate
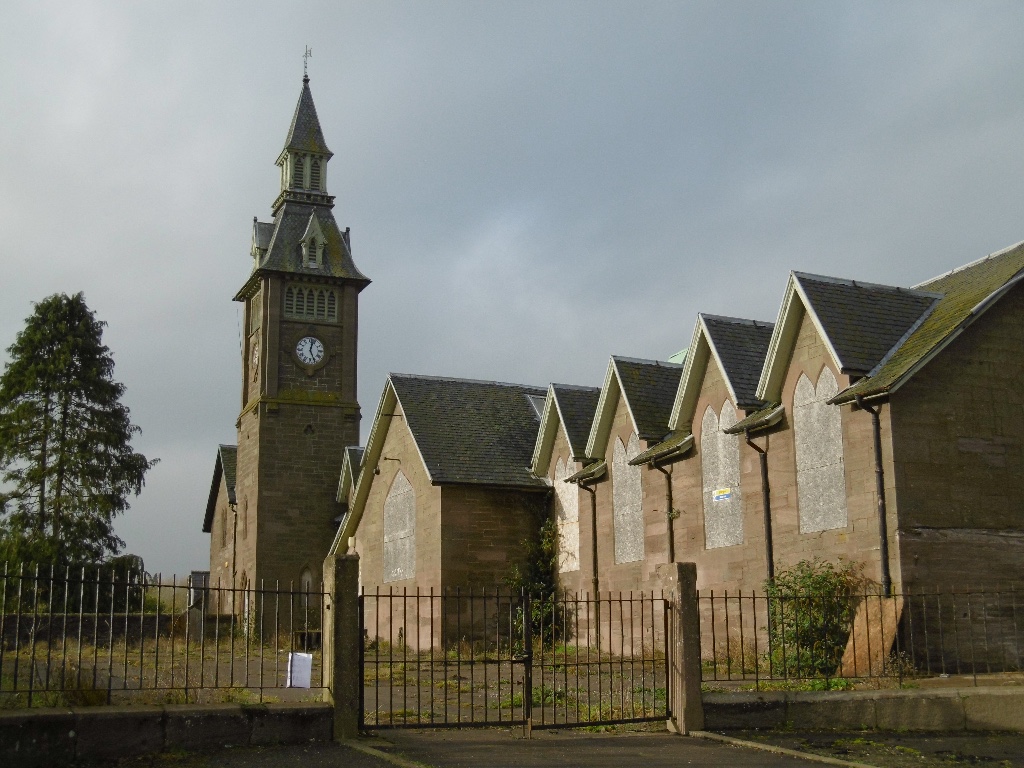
(495, 657)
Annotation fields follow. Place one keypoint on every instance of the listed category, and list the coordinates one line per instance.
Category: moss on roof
(962, 291)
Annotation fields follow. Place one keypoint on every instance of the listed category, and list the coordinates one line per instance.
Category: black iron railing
(98, 635)
(486, 657)
(838, 641)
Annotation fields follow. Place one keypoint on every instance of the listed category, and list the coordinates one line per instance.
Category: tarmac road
(484, 748)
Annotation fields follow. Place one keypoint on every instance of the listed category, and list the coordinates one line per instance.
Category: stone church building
(880, 425)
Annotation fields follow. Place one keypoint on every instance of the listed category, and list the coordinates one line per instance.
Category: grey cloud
(531, 186)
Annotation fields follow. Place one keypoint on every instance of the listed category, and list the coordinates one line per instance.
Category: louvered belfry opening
(314, 176)
(311, 303)
(297, 171)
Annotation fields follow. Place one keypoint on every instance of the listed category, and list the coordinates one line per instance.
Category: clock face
(310, 350)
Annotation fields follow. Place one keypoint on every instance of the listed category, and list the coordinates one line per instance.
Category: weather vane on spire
(305, 62)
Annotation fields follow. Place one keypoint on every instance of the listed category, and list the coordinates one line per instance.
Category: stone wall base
(964, 709)
(53, 737)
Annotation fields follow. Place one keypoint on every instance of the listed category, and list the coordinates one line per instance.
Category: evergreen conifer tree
(66, 462)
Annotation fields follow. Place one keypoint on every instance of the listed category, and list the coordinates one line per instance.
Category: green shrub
(537, 580)
(810, 611)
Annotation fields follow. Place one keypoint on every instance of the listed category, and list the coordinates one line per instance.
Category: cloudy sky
(531, 186)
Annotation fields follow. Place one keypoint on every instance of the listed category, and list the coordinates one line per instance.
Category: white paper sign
(300, 670)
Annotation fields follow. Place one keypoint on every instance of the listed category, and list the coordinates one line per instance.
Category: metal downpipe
(766, 503)
(669, 513)
(883, 522)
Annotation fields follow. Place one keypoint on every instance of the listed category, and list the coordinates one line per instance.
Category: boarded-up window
(720, 472)
(567, 516)
(820, 476)
(627, 503)
(400, 530)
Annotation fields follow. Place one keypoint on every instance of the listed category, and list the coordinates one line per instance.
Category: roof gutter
(674, 452)
(591, 473)
(770, 419)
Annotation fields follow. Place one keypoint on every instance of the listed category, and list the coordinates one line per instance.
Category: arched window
(627, 503)
(298, 171)
(567, 517)
(321, 304)
(223, 528)
(314, 176)
(400, 530)
(289, 301)
(300, 302)
(332, 306)
(720, 475)
(820, 473)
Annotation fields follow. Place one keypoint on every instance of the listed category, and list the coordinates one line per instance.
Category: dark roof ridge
(738, 320)
(974, 263)
(863, 284)
(582, 387)
(643, 361)
(466, 381)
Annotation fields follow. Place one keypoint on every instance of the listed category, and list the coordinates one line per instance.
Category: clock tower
(299, 408)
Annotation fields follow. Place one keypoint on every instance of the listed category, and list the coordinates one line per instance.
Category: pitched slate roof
(569, 409)
(741, 346)
(576, 406)
(304, 134)
(262, 232)
(350, 467)
(284, 251)
(354, 455)
(966, 293)
(225, 466)
(862, 321)
(649, 387)
(478, 432)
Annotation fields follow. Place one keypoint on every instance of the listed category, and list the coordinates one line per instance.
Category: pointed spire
(305, 134)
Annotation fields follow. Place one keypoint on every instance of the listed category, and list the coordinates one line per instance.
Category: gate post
(341, 643)
(686, 705)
